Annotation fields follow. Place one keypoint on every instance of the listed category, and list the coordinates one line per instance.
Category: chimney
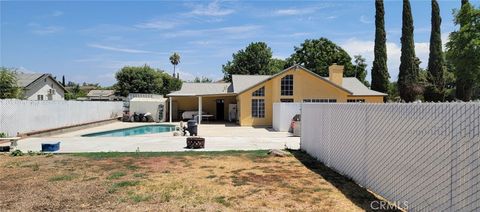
(335, 74)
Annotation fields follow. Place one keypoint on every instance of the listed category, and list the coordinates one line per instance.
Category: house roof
(299, 67)
(358, 88)
(26, 79)
(243, 82)
(142, 99)
(100, 93)
(195, 89)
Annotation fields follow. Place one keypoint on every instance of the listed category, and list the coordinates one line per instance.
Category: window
(259, 92)
(320, 100)
(39, 97)
(258, 108)
(286, 100)
(286, 86)
(356, 100)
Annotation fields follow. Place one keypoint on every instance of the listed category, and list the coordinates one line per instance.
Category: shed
(155, 106)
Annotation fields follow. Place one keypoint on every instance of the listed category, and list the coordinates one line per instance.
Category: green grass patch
(125, 184)
(132, 167)
(222, 200)
(61, 178)
(139, 175)
(139, 197)
(122, 184)
(102, 155)
(116, 175)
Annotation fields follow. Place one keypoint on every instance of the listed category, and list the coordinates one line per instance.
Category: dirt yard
(197, 181)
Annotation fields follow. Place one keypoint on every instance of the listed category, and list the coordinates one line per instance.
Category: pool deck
(218, 137)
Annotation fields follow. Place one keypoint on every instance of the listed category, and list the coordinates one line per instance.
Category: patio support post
(199, 109)
(170, 109)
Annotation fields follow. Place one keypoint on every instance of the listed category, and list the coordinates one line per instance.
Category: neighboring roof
(243, 82)
(195, 89)
(101, 93)
(26, 79)
(140, 99)
(358, 88)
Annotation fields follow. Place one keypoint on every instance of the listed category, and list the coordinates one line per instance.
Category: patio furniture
(12, 140)
(195, 143)
(192, 127)
(191, 113)
(50, 147)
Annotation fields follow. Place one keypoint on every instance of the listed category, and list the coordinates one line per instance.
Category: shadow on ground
(355, 193)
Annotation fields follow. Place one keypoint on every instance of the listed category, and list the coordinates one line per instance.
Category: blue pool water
(140, 130)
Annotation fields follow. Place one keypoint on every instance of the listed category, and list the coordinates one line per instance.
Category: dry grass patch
(218, 181)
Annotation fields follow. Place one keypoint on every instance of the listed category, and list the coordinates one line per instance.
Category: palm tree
(175, 60)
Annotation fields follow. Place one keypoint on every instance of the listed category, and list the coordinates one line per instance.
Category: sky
(90, 41)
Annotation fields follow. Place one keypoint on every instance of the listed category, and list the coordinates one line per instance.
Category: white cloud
(56, 13)
(232, 30)
(365, 48)
(365, 20)
(111, 48)
(331, 17)
(294, 11)
(44, 30)
(157, 24)
(212, 9)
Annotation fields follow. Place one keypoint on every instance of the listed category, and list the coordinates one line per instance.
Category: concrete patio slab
(218, 137)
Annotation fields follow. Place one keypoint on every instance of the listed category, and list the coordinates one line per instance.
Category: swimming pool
(140, 130)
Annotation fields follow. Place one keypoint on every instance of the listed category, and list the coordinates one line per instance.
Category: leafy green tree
(393, 95)
(175, 60)
(143, 79)
(318, 54)
(277, 65)
(435, 89)
(408, 86)
(360, 69)
(202, 80)
(8, 84)
(463, 50)
(75, 92)
(170, 83)
(256, 59)
(380, 76)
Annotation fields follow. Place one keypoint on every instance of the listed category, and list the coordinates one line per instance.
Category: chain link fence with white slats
(21, 116)
(423, 156)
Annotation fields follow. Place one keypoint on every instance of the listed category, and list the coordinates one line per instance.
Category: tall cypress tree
(408, 74)
(460, 83)
(436, 63)
(379, 70)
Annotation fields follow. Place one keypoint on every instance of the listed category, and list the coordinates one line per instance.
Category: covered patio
(210, 101)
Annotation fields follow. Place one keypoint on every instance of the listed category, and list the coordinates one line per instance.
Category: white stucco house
(37, 86)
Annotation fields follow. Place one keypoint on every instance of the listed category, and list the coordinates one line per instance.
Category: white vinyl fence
(26, 116)
(283, 114)
(420, 156)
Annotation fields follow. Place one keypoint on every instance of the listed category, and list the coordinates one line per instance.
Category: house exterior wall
(42, 87)
(305, 86)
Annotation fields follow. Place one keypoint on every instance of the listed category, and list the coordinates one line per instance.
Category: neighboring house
(254, 95)
(38, 86)
(103, 95)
